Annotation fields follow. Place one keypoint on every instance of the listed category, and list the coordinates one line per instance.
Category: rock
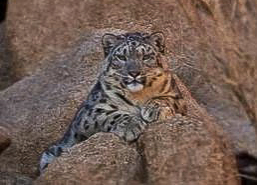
(163, 155)
(14, 178)
(177, 153)
(218, 64)
(103, 159)
(5, 140)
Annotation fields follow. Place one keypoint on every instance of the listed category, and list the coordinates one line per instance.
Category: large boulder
(103, 159)
(183, 151)
(218, 63)
(178, 151)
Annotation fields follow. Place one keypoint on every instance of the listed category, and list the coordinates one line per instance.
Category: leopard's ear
(158, 39)
(108, 42)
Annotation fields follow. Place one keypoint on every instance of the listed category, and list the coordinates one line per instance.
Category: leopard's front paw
(130, 131)
(150, 113)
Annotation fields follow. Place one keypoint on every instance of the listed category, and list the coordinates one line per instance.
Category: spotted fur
(134, 89)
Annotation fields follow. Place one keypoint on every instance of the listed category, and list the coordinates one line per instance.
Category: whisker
(117, 74)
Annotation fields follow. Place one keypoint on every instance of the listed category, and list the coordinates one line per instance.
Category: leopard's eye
(121, 57)
(147, 57)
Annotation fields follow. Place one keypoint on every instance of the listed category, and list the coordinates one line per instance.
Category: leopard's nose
(134, 73)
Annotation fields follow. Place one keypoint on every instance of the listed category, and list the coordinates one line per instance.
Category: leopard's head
(133, 59)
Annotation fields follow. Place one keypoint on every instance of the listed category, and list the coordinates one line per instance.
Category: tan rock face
(189, 155)
(221, 71)
(166, 153)
(103, 159)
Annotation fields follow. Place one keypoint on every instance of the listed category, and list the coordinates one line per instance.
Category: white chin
(135, 87)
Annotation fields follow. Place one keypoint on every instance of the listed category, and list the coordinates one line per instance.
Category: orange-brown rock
(103, 159)
(176, 153)
(166, 154)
